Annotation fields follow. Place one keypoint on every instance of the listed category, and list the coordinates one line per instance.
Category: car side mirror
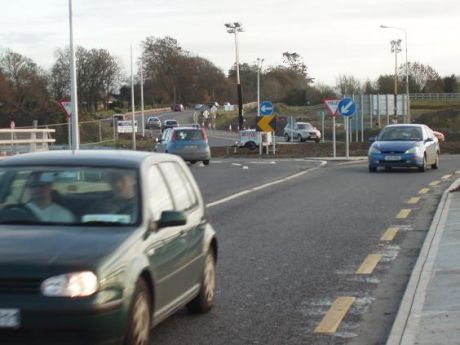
(371, 139)
(171, 218)
(427, 140)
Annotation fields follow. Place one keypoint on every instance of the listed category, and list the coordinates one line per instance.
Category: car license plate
(9, 318)
(191, 147)
(392, 158)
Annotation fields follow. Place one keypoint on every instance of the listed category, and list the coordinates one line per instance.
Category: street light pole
(75, 137)
(234, 28)
(408, 118)
(259, 67)
(396, 48)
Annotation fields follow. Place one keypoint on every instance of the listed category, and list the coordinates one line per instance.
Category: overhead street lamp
(408, 118)
(259, 67)
(234, 28)
(396, 48)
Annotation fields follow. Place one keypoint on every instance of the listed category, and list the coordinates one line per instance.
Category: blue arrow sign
(347, 107)
(266, 108)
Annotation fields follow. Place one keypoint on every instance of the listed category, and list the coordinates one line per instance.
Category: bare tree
(348, 85)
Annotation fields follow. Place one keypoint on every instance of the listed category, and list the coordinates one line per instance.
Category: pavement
(430, 309)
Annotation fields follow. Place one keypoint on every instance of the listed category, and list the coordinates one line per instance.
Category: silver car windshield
(403, 133)
(73, 196)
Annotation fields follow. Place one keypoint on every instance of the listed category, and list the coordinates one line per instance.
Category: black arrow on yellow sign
(266, 123)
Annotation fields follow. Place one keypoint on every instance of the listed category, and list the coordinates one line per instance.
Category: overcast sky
(333, 36)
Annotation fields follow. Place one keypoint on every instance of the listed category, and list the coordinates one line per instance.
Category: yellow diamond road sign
(266, 123)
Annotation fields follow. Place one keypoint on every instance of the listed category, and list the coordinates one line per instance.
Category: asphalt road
(289, 250)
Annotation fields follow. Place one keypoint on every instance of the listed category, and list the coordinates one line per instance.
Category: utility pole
(396, 48)
(234, 28)
(75, 137)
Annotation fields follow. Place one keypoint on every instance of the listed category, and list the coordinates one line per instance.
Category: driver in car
(41, 201)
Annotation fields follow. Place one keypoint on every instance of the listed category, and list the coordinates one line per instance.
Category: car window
(158, 198)
(401, 133)
(189, 134)
(183, 200)
(73, 195)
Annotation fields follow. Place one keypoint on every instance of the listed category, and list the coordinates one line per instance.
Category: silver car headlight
(79, 284)
(374, 151)
(413, 150)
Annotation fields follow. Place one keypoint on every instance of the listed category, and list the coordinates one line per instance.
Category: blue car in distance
(189, 143)
(404, 146)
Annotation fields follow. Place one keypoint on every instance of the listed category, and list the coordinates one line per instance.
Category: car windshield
(189, 134)
(403, 133)
(304, 126)
(71, 196)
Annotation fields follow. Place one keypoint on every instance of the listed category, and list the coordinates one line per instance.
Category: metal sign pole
(333, 137)
(347, 142)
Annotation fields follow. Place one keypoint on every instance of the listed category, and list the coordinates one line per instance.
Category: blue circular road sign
(347, 107)
(266, 108)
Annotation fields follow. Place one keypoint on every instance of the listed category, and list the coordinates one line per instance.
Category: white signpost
(67, 107)
(332, 105)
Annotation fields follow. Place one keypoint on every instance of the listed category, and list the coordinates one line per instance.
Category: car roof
(186, 127)
(406, 125)
(99, 158)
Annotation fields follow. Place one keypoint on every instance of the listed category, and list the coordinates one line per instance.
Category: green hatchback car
(97, 247)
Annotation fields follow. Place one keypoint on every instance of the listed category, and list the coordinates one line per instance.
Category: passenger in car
(123, 200)
(41, 201)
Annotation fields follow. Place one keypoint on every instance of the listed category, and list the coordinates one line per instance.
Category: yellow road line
(404, 213)
(423, 191)
(335, 315)
(445, 177)
(413, 200)
(435, 183)
(368, 265)
(390, 234)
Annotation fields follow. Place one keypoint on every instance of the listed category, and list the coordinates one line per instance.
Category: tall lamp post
(75, 137)
(234, 28)
(408, 118)
(259, 67)
(396, 48)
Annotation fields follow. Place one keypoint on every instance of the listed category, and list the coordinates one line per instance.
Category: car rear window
(189, 134)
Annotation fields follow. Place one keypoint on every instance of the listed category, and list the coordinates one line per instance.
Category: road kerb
(404, 327)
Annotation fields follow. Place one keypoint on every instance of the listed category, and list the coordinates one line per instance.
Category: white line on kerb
(263, 186)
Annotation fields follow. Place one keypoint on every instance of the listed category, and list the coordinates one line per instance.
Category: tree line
(175, 75)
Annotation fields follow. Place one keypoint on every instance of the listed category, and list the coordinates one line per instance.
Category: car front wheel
(140, 316)
(206, 297)
(422, 168)
(436, 162)
(286, 137)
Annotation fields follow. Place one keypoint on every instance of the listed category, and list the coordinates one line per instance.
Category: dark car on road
(404, 146)
(98, 246)
(169, 124)
(190, 143)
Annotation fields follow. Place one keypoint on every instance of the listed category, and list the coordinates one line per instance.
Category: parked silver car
(301, 131)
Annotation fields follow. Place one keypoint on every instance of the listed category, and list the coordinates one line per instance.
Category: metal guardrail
(13, 141)
(435, 97)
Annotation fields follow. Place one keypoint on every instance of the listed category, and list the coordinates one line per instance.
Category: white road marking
(266, 185)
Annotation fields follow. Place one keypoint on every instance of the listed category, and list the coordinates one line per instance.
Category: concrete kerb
(404, 329)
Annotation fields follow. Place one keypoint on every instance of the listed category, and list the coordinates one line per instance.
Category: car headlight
(79, 284)
(413, 150)
(374, 151)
